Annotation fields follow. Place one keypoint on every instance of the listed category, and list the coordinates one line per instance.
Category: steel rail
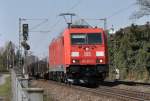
(116, 95)
(143, 95)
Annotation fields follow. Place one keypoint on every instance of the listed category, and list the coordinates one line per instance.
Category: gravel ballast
(55, 92)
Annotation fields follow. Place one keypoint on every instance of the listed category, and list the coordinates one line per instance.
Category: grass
(5, 89)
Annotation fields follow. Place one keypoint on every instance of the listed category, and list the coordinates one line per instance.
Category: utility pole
(20, 48)
(105, 23)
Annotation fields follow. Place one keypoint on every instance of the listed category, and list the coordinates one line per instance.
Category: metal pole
(20, 49)
(7, 59)
(13, 58)
(105, 24)
(25, 64)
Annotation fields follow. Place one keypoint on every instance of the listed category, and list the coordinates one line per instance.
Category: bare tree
(144, 9)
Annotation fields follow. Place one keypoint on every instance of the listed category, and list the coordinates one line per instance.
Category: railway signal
(25, 31)
(25, 45)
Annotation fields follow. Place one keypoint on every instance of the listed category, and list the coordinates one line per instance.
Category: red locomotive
(79, 55)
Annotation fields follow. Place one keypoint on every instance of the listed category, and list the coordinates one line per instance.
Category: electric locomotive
(79, 55)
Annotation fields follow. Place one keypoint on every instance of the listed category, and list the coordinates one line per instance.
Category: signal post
(26, 48)
(23, 38)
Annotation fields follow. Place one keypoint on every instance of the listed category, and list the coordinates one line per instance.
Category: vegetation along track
(120, 94)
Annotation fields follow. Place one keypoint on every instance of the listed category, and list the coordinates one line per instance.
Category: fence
(21, 91)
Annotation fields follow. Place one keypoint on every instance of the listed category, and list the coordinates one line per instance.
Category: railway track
(120, 94)
(126, 95)
(130, 83)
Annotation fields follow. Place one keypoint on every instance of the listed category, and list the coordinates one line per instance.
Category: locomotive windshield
(78, 38)
(94, 38)
(87, 38)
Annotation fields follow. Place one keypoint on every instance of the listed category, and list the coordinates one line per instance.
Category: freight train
(79, 55)
(38, 69)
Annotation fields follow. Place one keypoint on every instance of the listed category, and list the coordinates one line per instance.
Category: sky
(36, 12)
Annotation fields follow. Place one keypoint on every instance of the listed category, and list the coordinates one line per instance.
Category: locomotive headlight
(73, 61)
(75, 54)
(100, 60)
(100, 53)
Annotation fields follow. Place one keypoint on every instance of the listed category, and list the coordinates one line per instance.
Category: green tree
(130, 51)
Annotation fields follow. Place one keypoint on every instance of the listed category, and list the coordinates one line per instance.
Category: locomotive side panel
(67, 47)
(56, 53)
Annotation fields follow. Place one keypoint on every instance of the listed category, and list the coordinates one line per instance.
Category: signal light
(25, 45)
(25, 31)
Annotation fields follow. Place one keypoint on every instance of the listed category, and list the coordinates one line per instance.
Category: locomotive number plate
(87, 54)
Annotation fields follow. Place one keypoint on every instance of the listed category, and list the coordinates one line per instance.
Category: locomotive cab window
(78, 39)
(94, 38)
(86, 38)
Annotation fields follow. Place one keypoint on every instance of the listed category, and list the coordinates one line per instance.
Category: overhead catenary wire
(47, 33)
(55, 24)
(38, 25)
(70, 10)
(33, 29)
(113, 14)
(120, 11)
(75, 5)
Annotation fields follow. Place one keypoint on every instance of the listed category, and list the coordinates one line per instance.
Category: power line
(99, 19)
(120, 11)
(50, 31)
(69, 10)
(29, 19)
(75, 5)
(51, 27)
(38, 25)
(55, 24)
(42, 31)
